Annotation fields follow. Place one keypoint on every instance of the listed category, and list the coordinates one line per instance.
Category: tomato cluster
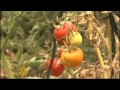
(67, 36)
(61, 33)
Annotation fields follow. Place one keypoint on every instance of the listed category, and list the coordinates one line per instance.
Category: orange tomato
(72, 58)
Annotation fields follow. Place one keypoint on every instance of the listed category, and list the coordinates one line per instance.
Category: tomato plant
(75, 39)
(57, 67)
(72, 58)
(60, 33)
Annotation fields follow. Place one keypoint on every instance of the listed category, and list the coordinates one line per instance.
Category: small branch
(99, 56)
(76, 71)
(66, 45)
(52, 59)
(106, 43)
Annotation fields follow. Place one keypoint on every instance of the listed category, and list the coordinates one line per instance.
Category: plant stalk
(99, 56)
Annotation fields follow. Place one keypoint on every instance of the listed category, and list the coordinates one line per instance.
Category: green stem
(76, 71)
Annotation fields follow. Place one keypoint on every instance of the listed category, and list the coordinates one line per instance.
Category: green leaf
(6, 66)
(33, 63)
(19, 57)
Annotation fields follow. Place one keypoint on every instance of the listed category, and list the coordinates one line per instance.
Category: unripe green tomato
(75, 39)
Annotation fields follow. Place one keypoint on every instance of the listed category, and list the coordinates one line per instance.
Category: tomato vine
(54, 49)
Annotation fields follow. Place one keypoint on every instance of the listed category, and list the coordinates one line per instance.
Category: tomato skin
(56, 69)
(62, 32)
(59, 33)
(72, 58)
(75, 39)
(59, 53)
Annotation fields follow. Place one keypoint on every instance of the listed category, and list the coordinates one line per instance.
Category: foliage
(30, 44)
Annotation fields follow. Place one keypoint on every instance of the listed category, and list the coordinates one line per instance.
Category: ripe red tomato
(61, 33)
(59, 53)
(57, 68)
